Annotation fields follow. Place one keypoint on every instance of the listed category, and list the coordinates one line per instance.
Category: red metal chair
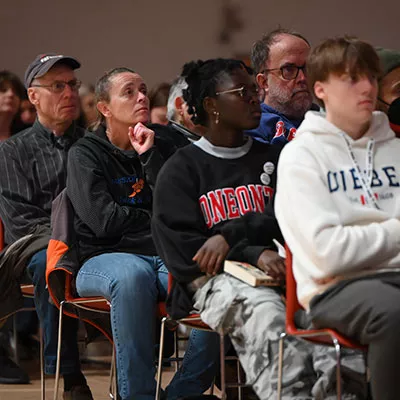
(318, 336)
(194, 321)
(84, 308)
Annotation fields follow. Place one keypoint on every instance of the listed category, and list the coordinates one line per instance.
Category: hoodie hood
(316, 123)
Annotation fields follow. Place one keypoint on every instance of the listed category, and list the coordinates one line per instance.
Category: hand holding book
(272, 264)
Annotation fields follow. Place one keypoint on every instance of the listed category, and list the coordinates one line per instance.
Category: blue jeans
(133, 284)
(199, 366)
(48, 316)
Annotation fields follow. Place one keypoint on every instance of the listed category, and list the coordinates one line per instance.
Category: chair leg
(212, 387)
(42, 374)
(113, 377)
(160, 359)
(15, 338)
(176, 348)
(338, 372)
(222, 362)
(239, 379)
(57, 377)
(280, 365)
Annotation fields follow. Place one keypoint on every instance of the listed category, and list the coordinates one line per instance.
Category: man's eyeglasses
(243, 92)
(59, 86)
(288, 72)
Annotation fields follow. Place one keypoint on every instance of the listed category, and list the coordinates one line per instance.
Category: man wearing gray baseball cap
(33, 174)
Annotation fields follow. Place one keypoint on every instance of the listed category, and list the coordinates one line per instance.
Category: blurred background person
(27, 112)
(177, 111)
(11, 93)
(89, 113)
(389, 87)
(180, 130)
(158, 97)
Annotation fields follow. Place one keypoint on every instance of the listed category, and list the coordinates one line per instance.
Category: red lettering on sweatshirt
(242, 194)
(205, 208)
(258, 197)
(231, 203)
(228, 203)
(292, 134)
(217, 206)
(280, 129)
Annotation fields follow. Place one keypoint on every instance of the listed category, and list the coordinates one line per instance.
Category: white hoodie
(329, 222)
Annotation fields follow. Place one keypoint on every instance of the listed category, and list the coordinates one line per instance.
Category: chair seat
(97, 303)
(194, 321)
(324, 336)
(27, 290)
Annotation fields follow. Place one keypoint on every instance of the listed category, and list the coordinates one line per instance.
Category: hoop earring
(216, 113)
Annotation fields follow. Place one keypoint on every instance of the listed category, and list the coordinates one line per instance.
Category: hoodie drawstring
(365, 179)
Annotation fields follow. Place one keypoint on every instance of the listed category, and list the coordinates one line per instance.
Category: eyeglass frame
(74, 85)
(240, 91)
(303, 68)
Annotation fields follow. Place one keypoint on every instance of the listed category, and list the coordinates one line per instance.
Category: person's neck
(5, 125)
(225, 137)
(58, 128)
(354, 131)
(283, 111)
(118, 135)
(200, 130)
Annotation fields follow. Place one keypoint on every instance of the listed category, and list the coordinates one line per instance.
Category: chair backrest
(292, 302)
(1, 235)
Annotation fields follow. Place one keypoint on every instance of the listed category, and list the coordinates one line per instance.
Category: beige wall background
(156, 37)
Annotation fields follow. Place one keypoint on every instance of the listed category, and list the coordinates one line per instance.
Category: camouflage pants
(254, 319)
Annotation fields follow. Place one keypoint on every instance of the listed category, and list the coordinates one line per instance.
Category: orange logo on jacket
(137, 187)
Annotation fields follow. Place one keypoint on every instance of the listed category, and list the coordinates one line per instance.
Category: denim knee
(37, 266)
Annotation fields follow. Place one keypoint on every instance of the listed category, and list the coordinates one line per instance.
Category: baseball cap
(42, 64)
(390, 59)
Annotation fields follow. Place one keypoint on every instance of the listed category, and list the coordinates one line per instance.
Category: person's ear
(210, 105)
(262, 81)
(33, 96)
(319, 90)
(179, 102)
(103, 108)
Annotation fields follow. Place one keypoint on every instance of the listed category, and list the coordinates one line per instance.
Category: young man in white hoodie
(338, 205)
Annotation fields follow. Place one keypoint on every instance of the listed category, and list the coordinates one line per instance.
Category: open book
(249, 274)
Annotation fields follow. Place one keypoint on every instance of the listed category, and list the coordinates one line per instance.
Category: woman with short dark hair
(11, 92)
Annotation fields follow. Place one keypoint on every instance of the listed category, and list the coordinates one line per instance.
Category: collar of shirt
(63, 141)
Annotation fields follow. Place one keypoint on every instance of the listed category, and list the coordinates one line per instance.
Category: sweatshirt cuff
(392, 226)
(231, 233)
(251, 254)
(144, 157)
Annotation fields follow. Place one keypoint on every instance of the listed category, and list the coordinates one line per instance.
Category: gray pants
(368, 310)
(254, 319)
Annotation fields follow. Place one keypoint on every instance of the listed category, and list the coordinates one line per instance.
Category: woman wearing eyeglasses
(210, 203)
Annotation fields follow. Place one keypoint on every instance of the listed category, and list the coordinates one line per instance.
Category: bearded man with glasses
(279, 59)
(33, 173)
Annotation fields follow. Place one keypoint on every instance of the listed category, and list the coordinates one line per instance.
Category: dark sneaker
(11, 373)
(78, 393)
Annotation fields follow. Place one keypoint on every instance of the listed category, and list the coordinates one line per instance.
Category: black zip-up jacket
(111, 192)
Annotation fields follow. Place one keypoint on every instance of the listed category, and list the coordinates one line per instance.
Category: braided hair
(202, 78)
